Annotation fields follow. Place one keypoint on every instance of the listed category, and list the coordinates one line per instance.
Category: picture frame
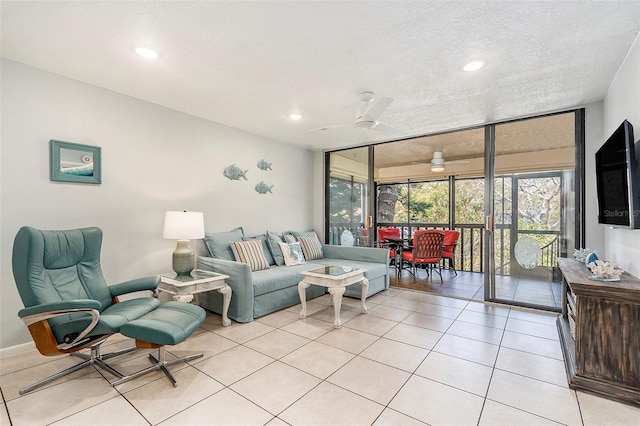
(74, 162)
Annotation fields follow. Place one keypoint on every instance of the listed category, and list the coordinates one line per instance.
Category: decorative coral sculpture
(581, 254)
(605, 270)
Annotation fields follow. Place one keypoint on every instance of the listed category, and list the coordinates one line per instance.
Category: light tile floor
(537, 289)
(414, 359)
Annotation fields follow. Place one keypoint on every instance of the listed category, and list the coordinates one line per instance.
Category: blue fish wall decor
(263, 165)
(234, 172)
(263, 188)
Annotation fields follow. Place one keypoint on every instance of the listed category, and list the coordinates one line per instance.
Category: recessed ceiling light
(147, 53)
(474, 66)
(295, 116)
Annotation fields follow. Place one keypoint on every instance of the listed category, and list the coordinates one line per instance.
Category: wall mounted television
(618, 179)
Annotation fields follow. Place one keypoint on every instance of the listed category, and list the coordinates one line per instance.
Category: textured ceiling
(249, 64)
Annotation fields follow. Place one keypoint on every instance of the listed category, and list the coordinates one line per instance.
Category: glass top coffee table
(336, 279)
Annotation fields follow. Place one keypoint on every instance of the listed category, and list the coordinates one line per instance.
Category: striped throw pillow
(311, 247)
(251, 253)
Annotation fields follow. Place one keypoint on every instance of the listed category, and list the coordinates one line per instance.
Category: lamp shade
(183, 225)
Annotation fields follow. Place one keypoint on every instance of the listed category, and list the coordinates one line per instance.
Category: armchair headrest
(62, 249)
(50, 266)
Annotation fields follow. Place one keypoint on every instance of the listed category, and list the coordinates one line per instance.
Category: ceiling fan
(438, 162)
(370, 108)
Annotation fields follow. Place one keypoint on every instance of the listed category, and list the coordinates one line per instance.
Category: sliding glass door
(512, 190)
(531, 216)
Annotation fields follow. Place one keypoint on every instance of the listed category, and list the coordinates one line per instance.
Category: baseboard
(17, 349)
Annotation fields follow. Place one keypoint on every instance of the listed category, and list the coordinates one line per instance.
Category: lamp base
(184, 259)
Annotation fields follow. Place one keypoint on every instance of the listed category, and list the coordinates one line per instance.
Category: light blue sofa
(262, 292)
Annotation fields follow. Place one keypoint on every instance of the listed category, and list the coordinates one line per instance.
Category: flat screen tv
(618, 179)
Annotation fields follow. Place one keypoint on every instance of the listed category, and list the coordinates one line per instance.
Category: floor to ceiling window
(348, 198)
(439, 181)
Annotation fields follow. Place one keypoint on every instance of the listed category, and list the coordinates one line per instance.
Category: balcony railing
(470, 249)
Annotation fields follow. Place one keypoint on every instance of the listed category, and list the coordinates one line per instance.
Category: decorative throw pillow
(299, 234)
(218, 243)
(311, 247)
(265, 247)
(250, 252)
(292, 254)
(273, 241)
(288, 237)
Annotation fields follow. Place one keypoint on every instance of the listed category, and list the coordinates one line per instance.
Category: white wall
(153, 159)
(594, 137)
(622, 102)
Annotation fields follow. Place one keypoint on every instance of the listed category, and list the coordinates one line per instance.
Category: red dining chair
(449, 247)
(427, 250)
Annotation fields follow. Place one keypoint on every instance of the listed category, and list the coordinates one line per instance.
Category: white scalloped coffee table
(336, 279)
(184, 288)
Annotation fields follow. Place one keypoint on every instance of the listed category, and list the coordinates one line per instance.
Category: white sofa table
(184, 288)
(336, 279)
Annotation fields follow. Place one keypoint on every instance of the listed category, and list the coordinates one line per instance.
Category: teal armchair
(68, 304)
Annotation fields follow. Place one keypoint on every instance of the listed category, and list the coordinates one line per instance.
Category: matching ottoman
(169, 324)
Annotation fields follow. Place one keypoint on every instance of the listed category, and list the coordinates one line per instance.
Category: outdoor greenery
(346, 201)
(426, 204)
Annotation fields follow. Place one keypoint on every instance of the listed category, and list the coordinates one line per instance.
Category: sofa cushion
(292, 253)
(265, 247)
(219, 243)
(278, 277)
(311, 247)
(272, 242)
(251, 253)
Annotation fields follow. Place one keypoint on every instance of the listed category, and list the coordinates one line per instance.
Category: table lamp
(183, 226)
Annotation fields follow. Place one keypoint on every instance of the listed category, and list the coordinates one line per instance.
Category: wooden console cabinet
(600, 333)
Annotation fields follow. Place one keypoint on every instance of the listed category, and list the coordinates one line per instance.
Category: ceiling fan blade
(458, 162)
(374, 112)
(388, 130)
(330, 127)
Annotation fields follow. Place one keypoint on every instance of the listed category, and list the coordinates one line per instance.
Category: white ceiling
(249, 64)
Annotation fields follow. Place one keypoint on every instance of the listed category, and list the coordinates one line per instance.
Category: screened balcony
(440, 182)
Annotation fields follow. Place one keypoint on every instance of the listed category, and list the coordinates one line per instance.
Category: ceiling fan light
(367, 97)
(295, 116)
(437, 162)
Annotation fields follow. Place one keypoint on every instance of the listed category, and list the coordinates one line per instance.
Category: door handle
(488, 222)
